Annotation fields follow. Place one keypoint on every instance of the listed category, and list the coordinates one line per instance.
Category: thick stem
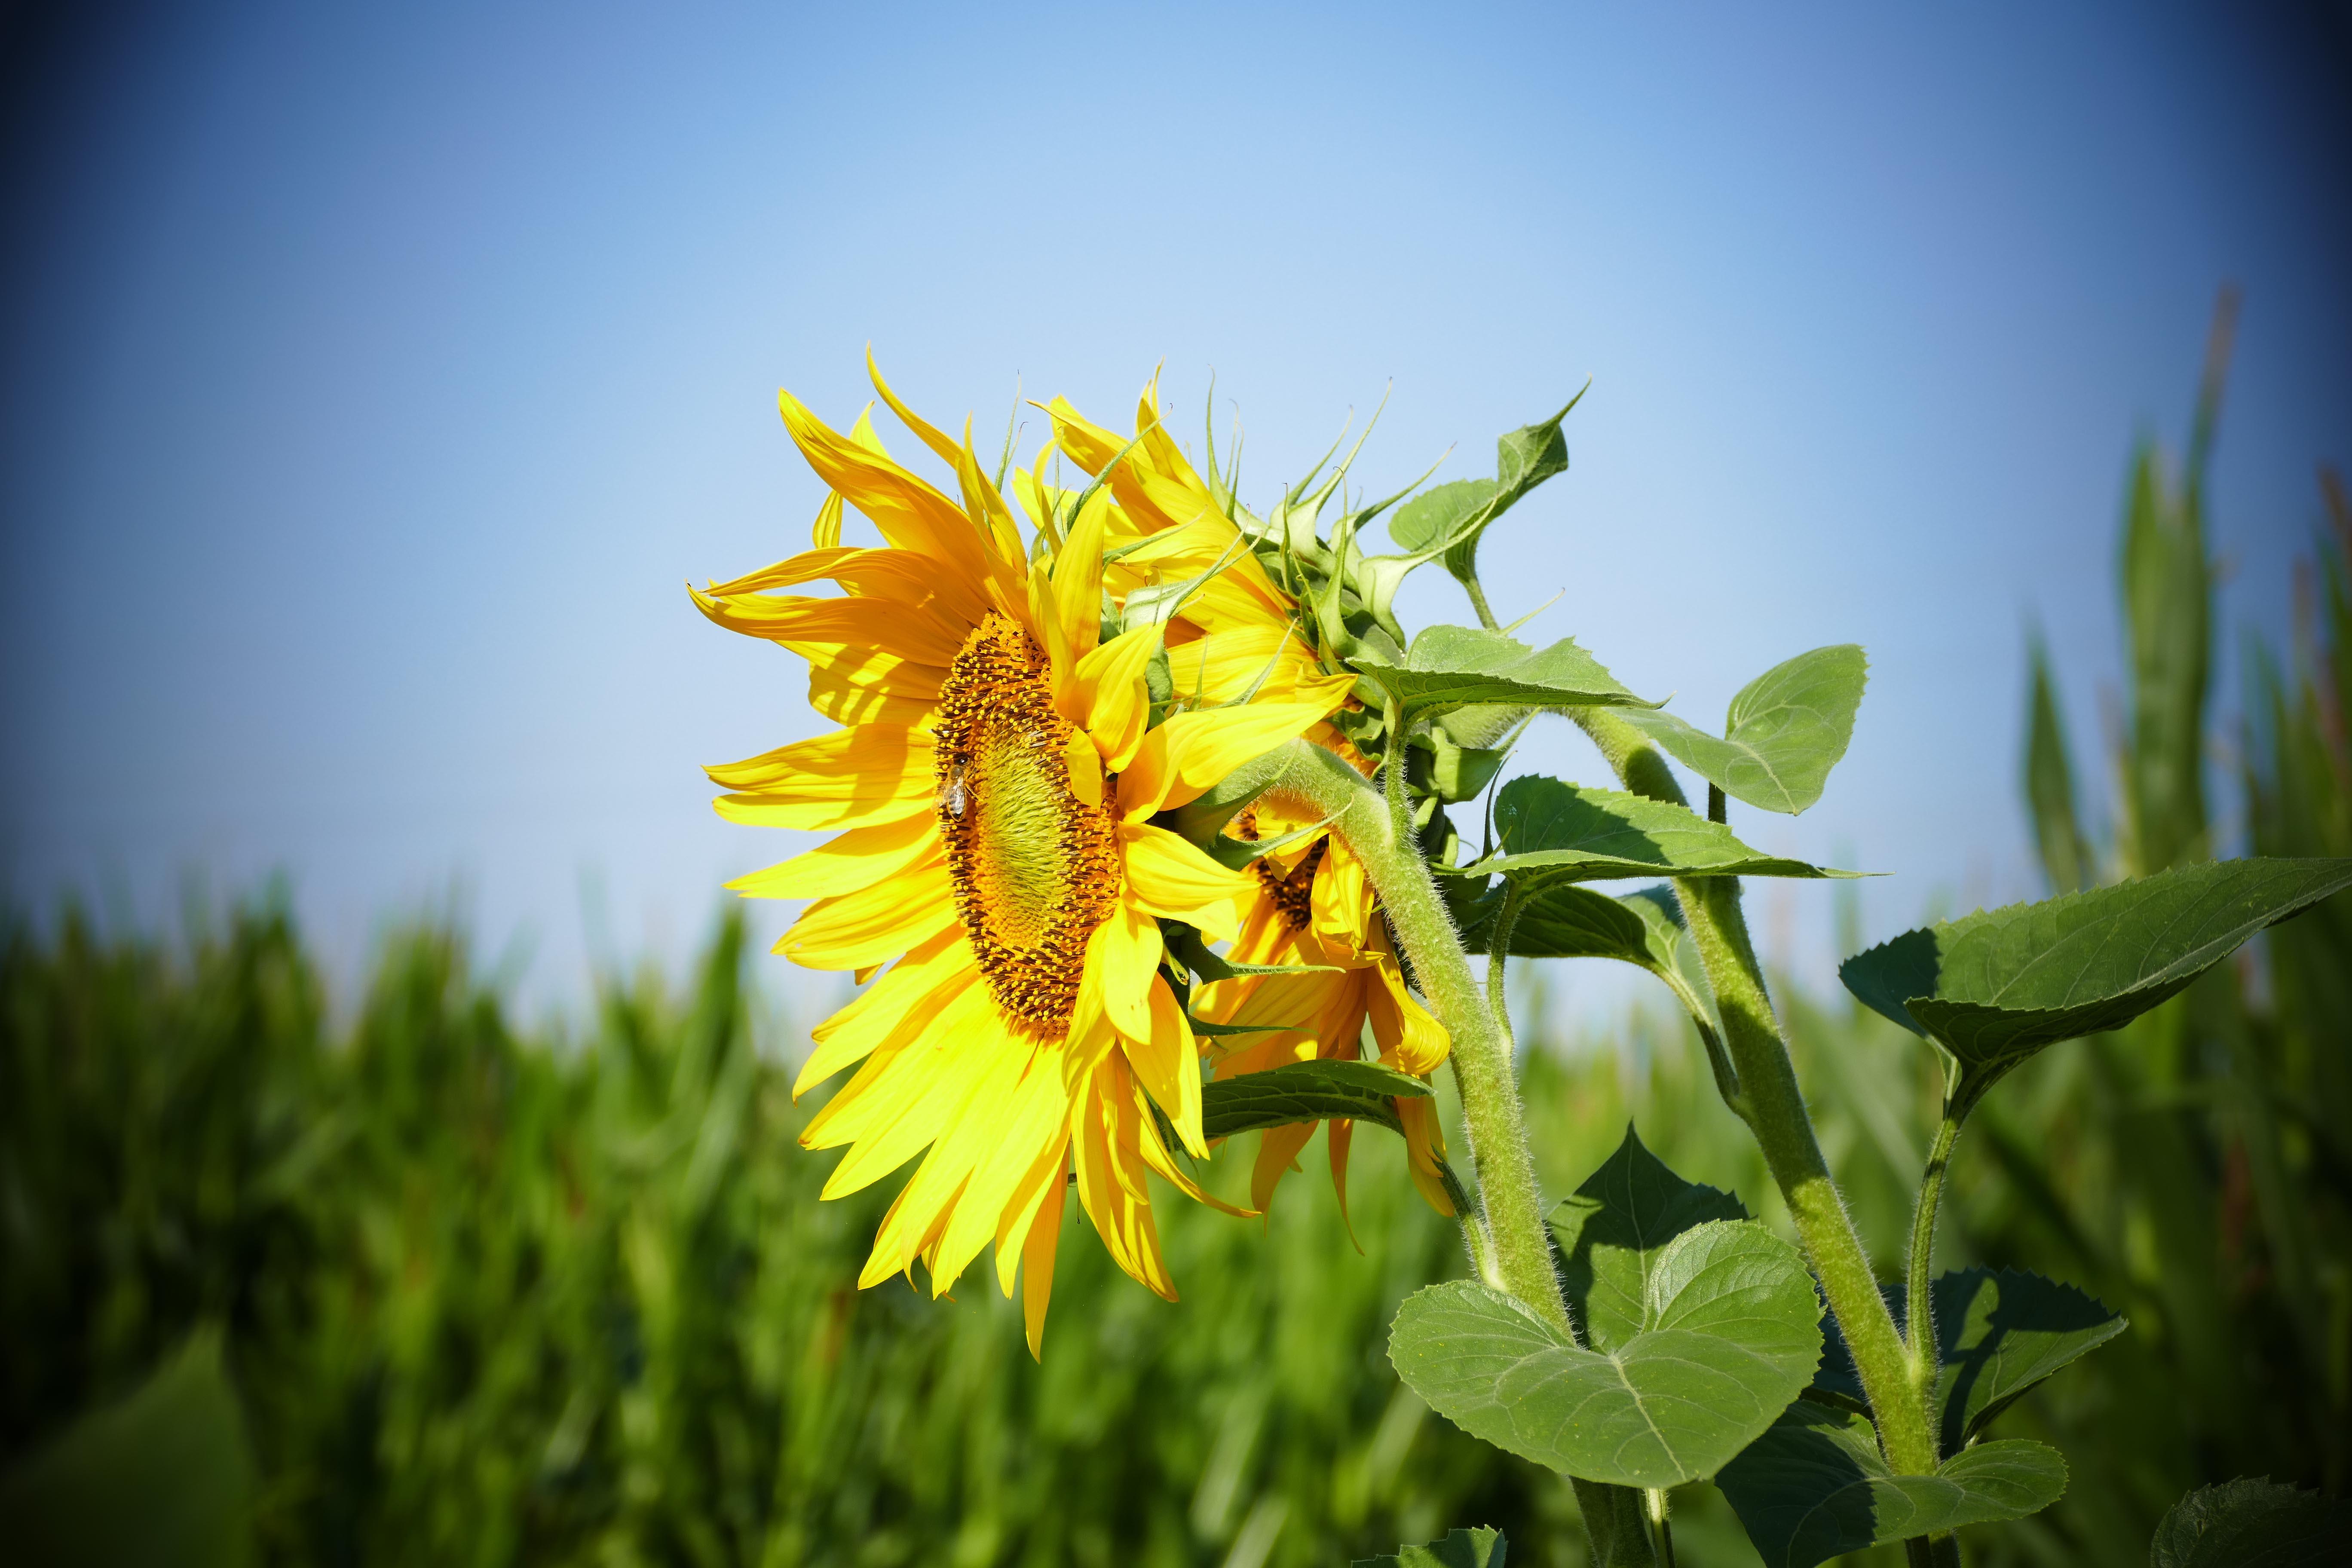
(1919, 1298)
(1327, 788)
(1775, 1113)
(1616, 1525)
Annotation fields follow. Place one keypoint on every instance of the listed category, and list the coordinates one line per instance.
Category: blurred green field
(490, 1296)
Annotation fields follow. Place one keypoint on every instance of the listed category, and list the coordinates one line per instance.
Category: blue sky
(372, 381)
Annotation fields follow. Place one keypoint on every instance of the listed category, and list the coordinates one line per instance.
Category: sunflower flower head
(1257, 631)
(996, 880)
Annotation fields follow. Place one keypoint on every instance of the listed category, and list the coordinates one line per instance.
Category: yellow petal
(1277, 1148)
(1192, 750)
(826, 532)
(1037, 1249)
(1168, 877)
(909, 512)
(1168, 1065)
(1035, 1117)
(872, 925)
(1107, 697)
(918, 989)
(904, 1092)
(858, 858)
(1124, 951)
(1077, 581)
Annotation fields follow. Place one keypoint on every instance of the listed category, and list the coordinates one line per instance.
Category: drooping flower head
(1248, 634)
(992, 787)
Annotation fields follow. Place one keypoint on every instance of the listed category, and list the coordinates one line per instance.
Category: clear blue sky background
(373, 377)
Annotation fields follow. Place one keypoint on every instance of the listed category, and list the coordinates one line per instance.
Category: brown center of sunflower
(1292, 892)
(1034, 868)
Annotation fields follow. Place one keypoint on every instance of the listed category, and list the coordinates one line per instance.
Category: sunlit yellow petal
(858, 858)
(1168, 876)
(872, 925)
(1192, 750)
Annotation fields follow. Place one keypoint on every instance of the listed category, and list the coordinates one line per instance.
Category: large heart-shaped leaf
(1477, 1547)
(1305, 1091)
(1454, 666)
(1554, 831)
(2252, 1524)
(1730, 1332)
(1993, 988)
(1998, 1333)
(1785, 730)
(1814, 1487)
(1613, 1230)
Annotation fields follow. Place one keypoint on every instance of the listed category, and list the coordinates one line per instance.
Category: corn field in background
(425, 1290)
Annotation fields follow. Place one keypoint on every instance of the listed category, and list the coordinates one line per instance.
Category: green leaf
(163, 1476)
(1433, 517)
(1478, 1548)
(1561, 919)
(1993, 988)
(1554, 831)
(1998, 1333)
(1785, 730)
(2252, 1524)
(1453, 667)
(1305, 1091)
(1186, 943)
(1730, 1331)
(1814, 1487)
(1614, 1229)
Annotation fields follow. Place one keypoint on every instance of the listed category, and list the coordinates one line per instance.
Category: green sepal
(1815, 1486)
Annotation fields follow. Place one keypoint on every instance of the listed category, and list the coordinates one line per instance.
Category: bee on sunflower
(992, 787)
(1247, 636)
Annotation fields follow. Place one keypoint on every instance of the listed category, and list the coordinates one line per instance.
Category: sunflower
(992, 786)
(1243, 633)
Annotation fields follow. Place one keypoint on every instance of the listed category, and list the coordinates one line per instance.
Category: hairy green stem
(1775, 1112)
(1321, 784)
(1918, 1299)
(1653, 1504)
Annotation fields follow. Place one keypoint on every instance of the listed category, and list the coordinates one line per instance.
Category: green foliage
(1994, 987)
(571, 1298)
(163, 1475)
(1611, 1231)
(1695, 1333)
(1305, 1091)
(1454, 666)
(1554, 831)
(1998, 1334)
(1815, 1486)
(2252, 1524)
(1785, 731)
(1561, 919)
(1479, 1548)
